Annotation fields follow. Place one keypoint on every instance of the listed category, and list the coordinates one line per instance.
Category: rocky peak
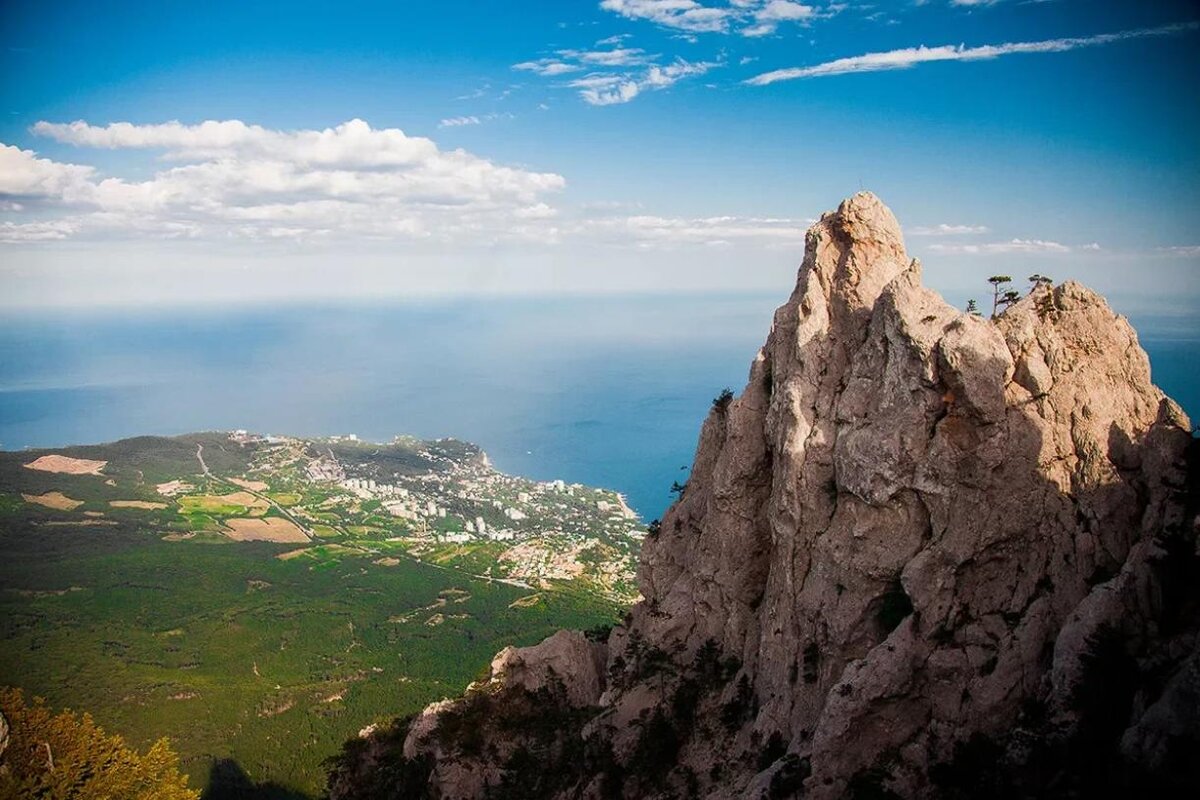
(921, 550)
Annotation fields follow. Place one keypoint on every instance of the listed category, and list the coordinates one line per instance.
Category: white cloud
(23, 174)
(655, 231)
(747, 17)
(22, 232)
(231, 179)
(459, 122)
(617, 57)
(947, 230)
(567, 60)
(1186, 251)
(684, 15)
(911, 56)
(1027, 246)
(456, 122)
(547, 67)
(609, 89)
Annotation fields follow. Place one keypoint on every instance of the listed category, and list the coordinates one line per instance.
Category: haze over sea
(607, 391)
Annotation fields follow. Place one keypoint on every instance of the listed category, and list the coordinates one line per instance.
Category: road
(237, 487)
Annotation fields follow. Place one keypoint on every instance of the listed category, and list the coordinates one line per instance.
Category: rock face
(923, 554)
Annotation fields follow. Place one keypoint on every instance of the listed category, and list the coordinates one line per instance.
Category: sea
(607, 391)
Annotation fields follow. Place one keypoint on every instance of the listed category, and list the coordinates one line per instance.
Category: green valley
(260, 600)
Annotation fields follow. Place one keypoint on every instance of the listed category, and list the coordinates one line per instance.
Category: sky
(161, 154)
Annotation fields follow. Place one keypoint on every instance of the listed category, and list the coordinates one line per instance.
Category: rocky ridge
(923, 554)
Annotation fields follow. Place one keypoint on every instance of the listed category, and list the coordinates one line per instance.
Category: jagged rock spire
(899, 552)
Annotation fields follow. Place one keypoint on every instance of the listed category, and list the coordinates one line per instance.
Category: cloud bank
(232, 179)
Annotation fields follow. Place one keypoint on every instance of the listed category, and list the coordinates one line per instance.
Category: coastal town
(443, 502)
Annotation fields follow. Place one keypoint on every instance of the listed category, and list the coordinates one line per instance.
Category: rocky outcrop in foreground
(923, 554)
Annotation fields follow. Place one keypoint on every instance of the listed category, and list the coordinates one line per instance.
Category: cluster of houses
(367, 488)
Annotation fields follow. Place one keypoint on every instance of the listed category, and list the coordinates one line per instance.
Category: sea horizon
(605, 390)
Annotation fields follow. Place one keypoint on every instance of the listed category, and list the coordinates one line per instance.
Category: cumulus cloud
(946, 230)
(911, 56)
(231, 181)
(230, 178)
(24, 175)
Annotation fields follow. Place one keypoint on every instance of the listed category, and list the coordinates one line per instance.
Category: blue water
(605, 391)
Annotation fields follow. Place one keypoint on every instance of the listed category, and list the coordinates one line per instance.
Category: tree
(721, 402)
(1036, 280)
(63, 757)
(972, 307)
(1003, 295)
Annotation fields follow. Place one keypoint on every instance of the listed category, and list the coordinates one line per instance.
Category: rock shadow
(228, 781)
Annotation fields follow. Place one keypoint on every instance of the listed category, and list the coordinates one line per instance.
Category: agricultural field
(250, 601)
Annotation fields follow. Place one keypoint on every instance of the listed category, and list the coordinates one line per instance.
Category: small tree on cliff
(1036, 280)
(721, 402)
(1003, 295)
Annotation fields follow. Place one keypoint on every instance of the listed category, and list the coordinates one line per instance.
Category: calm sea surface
(608, 391)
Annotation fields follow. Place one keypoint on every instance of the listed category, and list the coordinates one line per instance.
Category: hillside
(261, 599)
(924, 554)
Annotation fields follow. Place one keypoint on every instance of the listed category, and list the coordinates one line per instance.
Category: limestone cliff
(923, 554)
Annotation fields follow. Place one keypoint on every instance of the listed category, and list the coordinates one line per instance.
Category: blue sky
(406, 149)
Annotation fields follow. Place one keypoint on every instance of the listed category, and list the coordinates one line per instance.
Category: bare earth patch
(67, 465)
(254, 486)
(290, 554)
(244, 499)
(528, 601)
(136, 504)
(387, 561)
(272, 529)
(171, 488)
(56, 500)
